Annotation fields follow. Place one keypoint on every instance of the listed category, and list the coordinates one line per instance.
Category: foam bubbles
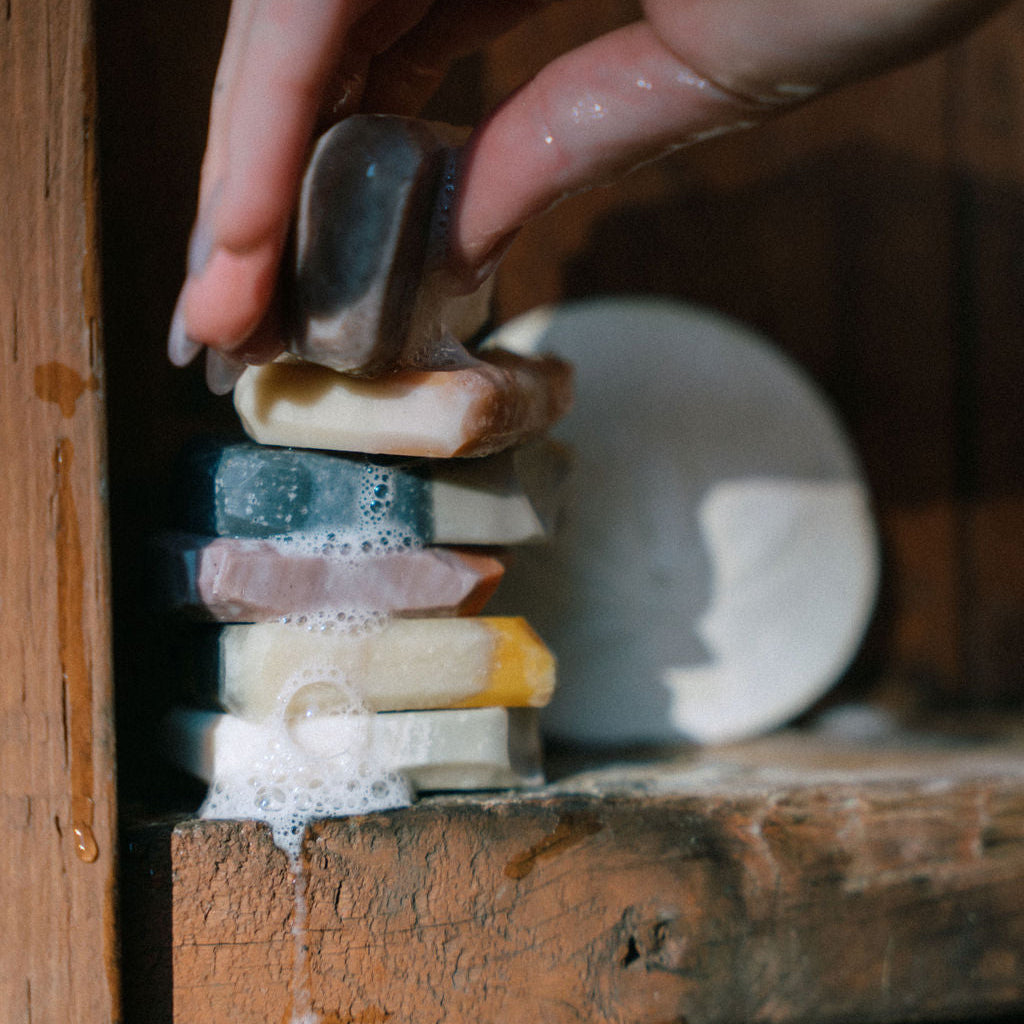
(379, 538)
(356, 547)
(357, 621)
(290, 786)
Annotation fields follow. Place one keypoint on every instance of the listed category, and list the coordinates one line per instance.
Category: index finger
(692, 70)
(276, 61)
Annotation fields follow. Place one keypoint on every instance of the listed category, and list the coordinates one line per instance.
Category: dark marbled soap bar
(370, 291)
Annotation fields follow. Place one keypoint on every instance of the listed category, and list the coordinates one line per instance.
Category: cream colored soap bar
(500, 400)
(405, 664)
(478, 748)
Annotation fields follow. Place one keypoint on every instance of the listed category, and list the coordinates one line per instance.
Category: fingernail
(200, 246)
(222, 372)
(181, 349)
(200, 242)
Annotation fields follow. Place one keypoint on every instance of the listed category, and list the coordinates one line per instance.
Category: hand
(690, 70)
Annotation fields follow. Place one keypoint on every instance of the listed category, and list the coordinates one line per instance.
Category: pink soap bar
(237, 579)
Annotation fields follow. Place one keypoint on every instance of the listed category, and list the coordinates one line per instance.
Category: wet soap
(405, 664)
(478, 748)
(500, 400)
(250, 490)
(371, 292)
(243, 579)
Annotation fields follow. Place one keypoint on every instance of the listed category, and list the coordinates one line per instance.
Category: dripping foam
(290, 787)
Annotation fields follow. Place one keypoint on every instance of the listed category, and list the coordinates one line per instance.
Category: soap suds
(354, 547)
(289, 786)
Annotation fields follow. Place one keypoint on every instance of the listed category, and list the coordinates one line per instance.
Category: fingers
(280, 74)
(694, 69)
(587, 117)
(781, 50)
(276, 61)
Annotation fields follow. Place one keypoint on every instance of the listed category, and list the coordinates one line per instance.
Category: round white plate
(717, 563)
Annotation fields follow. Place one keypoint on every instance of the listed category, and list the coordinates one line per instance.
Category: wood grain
(988, 145)
(58, 944)
(771, 883)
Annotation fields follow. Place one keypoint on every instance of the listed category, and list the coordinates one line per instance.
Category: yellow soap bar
(403, 665)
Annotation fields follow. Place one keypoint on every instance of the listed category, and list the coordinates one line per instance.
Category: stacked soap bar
(350, 546)
(349, 586)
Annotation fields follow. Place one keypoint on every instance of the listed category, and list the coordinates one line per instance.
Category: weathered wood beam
(58, 948)
(779, 882)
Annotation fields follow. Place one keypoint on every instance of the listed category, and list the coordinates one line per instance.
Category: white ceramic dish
(719, 563)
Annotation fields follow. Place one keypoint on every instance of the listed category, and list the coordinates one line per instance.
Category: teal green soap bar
(242, 489)
(249, 490)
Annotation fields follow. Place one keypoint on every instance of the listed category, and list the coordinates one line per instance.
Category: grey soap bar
(370, 292)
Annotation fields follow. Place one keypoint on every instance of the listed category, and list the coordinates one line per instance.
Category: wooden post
(57, 813)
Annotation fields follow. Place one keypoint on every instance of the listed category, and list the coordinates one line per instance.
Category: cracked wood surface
(781, 881)
(57, 814)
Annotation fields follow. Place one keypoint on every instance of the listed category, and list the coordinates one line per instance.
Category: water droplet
(380, 491)
(85, 843)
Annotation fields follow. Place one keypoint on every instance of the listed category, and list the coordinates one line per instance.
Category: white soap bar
(498, 401)
(405, 664)
(513, 497)
(478, 748)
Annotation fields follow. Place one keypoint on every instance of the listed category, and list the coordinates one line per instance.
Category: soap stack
(349, 546)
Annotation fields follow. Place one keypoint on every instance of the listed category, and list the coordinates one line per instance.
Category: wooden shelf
(786, 880)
